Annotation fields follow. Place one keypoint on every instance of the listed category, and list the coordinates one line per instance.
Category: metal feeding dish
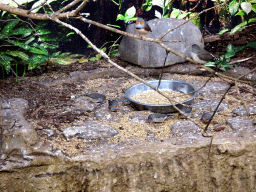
(172, 85)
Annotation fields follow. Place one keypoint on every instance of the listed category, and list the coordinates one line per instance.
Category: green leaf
(32, 38)
(166, 11)
(134, 19)
(56, 54)
(223, 31)
(113, 53)
(251, 44)
(41, 46)
(22, 31)
(183, 15)
(238, 27)
(71, 33)
(241, 12)
(175, 13)
(228, 55)
(148, 5)
(63, 55)
(120, 17)
(239, 48)
(247, 7)
(224, 66)
(130, 12)
(8, 28)
(230, 48)
(210, 64)
(6, 62)
(19, 54)
(37, 51)
(117, 26)
(19, 44)
(43, 32)
(36, 61)
(254, 7)
(233, 7)
(252, 20)
(61, 61)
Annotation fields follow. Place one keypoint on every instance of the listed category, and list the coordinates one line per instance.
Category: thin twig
(223, 97)
(40, 5)
(68, 6)
(161, 74)
(239, 60)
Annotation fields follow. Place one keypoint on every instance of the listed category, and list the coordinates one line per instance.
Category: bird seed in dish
(154, 98)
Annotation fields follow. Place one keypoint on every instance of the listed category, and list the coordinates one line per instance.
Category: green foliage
(231, 51)
(128, 16)
(28, 46)
(147, 5)
(245, 9)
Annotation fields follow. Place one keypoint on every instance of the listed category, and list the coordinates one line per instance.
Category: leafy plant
(128, 16)
(147, 5)
(231, 51)
(28, 46)
(245, 9)
(176, 13)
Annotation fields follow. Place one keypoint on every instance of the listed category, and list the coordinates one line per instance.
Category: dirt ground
(45, 102)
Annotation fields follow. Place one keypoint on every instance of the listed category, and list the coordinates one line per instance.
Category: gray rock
(214, 87)
(192, 69)
(181, 128)
(241, 124)
(14, 123)
(18, 135)
(84, 104)
(89, 130)
(104, 114)
(242, 112)
(139, 117)
(151, 54)
(238, 71)
(210, 104)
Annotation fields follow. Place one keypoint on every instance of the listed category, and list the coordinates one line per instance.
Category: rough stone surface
(240, 124)
(104, 114)
(238, 71)
(84, 104)
(210, 104)
(139, 117)
(89, 130)
(185, 168)
(180, 128)
(17, 133)
(150, 54)
(242, 112)
(215, 87)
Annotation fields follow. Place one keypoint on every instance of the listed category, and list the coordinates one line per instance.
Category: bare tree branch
(68, 6)
(38, 16)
